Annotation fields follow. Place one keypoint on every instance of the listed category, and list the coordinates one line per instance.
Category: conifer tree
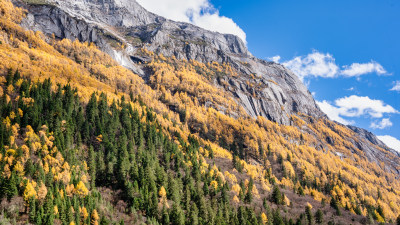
(277, 218)
(319, 216)
(32, 209)
(309, 214)
(193, 217)
(276, 196)
(335, 206)
(92, 167)
(165, 216)
(11, 186)
(249, 195)
(178, 216)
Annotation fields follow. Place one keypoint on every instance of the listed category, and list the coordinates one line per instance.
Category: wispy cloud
(198, 12)
(396, 86)
(356, 106)
(275, 59)
(313, 65)
(317, 64)
(358, 69)
(391, 142)
(333, 112)
(384, 123)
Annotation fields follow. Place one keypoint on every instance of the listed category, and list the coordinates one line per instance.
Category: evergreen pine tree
(300, 191)
(242, 216)
(276, 196)
(319, 216)
(165, 216)
(249, 194)
(335, 206)
(178, 216)
(277, 218)
(32, 209)
(309, 215)
(92, 167)
(193, 218)
(11, 186)
(154, 205)
(38, 219)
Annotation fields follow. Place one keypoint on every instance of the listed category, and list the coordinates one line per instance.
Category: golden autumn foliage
(42, 191)
(94, 218)
(264, 218)
(81, 190)
(236, 188)
(30, 191)
(163, 196)
(235, 199)
(211, 114)
(83, 212)
(69, 190)
(162, 193)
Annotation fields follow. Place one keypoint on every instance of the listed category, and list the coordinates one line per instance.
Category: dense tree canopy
(85, 141)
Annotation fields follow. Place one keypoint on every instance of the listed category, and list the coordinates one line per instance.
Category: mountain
(262, 88)
(192, 129)
(107, 23)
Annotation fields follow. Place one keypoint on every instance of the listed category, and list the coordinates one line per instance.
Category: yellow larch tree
(42, 191)
(94, 218)
(81, 189)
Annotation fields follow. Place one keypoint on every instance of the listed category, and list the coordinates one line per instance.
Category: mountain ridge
(183, 41)
(72, 20)
(184, 133)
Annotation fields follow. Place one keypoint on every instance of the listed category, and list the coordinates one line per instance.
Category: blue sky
(346, 52)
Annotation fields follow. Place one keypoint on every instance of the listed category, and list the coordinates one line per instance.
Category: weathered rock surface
(362, 142)
(106, 21)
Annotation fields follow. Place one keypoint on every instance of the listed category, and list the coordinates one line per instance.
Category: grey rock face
(125, 21)
(373, 154)
(105, 22)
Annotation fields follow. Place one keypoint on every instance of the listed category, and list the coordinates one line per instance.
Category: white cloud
(396, 86)
(384, 123)
(275, 58)
(198, 12)
(357, 69)
(356, 106)
(317, 64)
(313, 65)
(334, 113)
(391, 142)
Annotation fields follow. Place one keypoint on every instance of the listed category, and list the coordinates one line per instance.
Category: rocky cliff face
(363, 142)
(109, 22)
(112, 23)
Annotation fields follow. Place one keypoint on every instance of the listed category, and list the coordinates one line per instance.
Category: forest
(86, 141)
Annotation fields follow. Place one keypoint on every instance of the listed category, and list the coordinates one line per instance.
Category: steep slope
(122, 28)
(181, 124)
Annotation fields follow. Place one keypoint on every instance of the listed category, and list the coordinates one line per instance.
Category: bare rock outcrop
(105, 22)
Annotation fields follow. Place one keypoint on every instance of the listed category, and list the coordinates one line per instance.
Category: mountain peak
(108, 23)
(227, 137)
